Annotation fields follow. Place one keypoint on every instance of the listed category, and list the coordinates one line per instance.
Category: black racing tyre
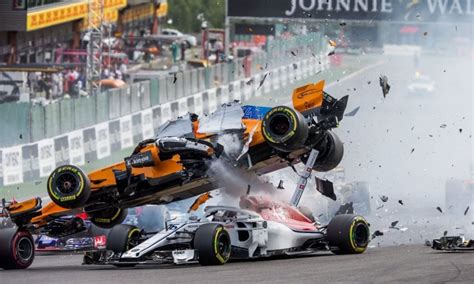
(284, 128)
(330, 155)
(348, 234)
(97, 231)
(69, 187)
(17, 248)
(121, 239)
(107, 218)
(213, 244)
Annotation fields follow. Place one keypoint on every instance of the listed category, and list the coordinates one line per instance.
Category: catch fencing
(81, 130)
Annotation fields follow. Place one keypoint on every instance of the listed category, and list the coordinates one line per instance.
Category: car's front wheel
(121, 239)
(69, 187)
(213, 245)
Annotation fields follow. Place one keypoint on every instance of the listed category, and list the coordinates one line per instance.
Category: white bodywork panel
(264, 236)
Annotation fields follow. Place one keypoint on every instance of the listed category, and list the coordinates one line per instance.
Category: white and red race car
(261, 227)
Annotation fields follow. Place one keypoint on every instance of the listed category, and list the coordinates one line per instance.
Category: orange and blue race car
(174, 166)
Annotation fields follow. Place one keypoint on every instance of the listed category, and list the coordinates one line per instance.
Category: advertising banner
(102, 139)
(375, 10)
(12, 165)
(46, 155)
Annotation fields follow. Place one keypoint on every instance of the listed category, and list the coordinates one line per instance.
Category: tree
(184, 14)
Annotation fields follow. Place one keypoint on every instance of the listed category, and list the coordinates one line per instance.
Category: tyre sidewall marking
(127, 247)
(108, 220)
(75, 171)
(356, 221)
(18, 237)
(286, 111)
(216, 251)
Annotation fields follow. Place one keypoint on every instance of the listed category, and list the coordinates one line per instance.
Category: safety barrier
(89, 128)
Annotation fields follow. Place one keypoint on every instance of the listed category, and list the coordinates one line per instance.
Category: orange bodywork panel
(50, 210)
(199, 201)
(253, 126)
(32, 205)
(23, 207)
(105, 177)
(308, 96)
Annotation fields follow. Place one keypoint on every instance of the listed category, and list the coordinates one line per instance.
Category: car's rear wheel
(17, 249)
(108, 218)
(69, 187)
(284, 128)
(213, 244)
(348, 234)
(330, 154)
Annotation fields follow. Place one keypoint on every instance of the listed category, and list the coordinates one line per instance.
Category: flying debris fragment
(248, 189)
(445, 233)
(384, 84)
(453, 243)
(393, 224)
(332, 43)
(295, 66)
(347, 208)
(262, 81)
(377, 234)
(442, 126)
(465, 211)
(383, 198)
(199, 201)
(353, 112)
(326, 188)
(439, 209)
(331, 53)
(412, 150)
(293, 53)
(280, 185)
(400, 201)
(174, 78)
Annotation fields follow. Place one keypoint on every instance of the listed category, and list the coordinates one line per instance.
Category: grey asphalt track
(400, 263)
